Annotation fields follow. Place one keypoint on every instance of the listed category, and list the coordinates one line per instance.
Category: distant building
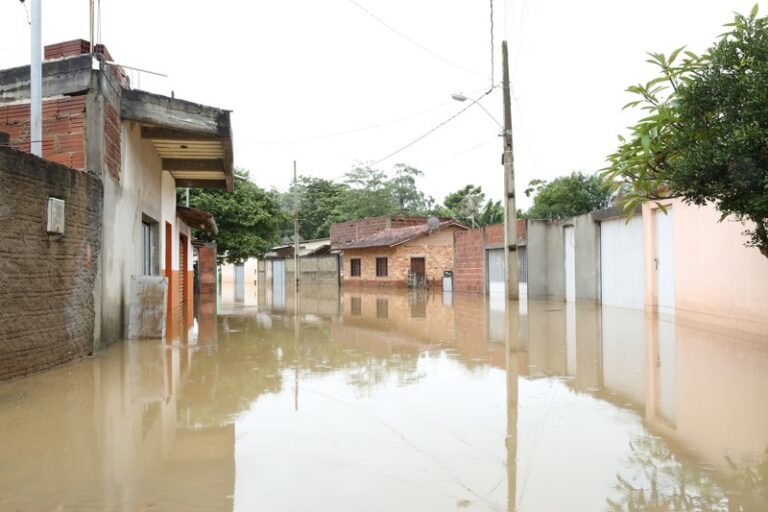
(416, 255)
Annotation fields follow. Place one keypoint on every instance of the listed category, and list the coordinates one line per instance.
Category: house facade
(142, 146)
(415, 256)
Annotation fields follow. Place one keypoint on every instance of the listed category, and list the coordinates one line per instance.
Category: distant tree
(407, 194)
(368, 194)
(493, 213)
(249, 219)
(704, 133)
(465, 204)
(318, 199)
(567, 196)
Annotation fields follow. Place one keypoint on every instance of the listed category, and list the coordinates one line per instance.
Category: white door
(239, 283)
(278, 284)
(496, 273)
(621, 262)
(665, 262)
(570, 264)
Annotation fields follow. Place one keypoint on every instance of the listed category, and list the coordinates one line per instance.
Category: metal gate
(522, 263)
(496, 272)
(665, 262)
(621, 262)
(570, 263)
(278, 284)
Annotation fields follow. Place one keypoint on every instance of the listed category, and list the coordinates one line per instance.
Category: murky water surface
(390, 401)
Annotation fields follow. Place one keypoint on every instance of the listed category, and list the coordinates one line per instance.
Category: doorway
(418, 274)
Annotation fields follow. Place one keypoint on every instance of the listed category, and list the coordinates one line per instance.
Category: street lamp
(460, 97)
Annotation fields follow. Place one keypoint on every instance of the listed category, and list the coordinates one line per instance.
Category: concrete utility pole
(36, 82)
(512, 290)
(296, 270)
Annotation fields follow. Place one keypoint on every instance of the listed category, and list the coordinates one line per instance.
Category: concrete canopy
(194, 141)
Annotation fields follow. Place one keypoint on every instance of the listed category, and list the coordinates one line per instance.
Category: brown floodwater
(397, 401)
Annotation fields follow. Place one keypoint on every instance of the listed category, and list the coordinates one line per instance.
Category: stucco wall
(47, 282)
(717, 279)
(143, 193)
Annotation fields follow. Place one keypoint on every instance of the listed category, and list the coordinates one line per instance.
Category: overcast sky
(326, 83)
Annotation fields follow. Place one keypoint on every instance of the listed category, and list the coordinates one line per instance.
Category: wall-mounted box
(55, 216)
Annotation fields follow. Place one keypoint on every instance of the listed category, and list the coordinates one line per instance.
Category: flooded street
(390, 400)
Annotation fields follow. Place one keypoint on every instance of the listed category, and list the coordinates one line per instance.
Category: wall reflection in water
(395, 400)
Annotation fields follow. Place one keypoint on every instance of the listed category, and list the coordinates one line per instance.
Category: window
(381, 267)
(354, 269)
(146, 248)
(382, 308)
(356, 306)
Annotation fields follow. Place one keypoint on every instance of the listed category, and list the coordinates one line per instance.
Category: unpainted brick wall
(63, 129)
(470, 246)
(356, 229)
(46, 281)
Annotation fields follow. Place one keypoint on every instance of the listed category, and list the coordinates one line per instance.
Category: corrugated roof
(392, 237)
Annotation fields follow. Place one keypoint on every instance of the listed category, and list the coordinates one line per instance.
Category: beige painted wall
(717, 279)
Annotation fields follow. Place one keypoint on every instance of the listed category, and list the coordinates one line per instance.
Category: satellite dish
(433, 223)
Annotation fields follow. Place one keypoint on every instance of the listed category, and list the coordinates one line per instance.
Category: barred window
(381, 267)
(354, 269)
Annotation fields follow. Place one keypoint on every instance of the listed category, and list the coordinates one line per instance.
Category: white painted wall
(143, 189)
(570, 263)
(621, 253)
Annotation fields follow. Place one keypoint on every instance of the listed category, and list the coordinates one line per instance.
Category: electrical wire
(432, 130)
(354, 130)
(414, 42)
(493, 74)
(24, 4)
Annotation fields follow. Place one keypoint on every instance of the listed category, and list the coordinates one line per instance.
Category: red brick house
(414, 255)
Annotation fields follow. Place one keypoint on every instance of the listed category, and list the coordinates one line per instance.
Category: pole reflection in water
(401, 407)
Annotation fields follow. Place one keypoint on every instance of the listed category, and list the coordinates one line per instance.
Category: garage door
(496, 272)
(621, 269)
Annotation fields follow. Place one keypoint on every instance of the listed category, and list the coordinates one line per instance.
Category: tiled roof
(392, 237)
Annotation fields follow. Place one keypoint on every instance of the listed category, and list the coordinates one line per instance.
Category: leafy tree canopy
(567, 196)
(468, 205)
(248, 218)
(704, 133)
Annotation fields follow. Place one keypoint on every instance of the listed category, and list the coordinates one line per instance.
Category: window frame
(355, 270)
(382, 261)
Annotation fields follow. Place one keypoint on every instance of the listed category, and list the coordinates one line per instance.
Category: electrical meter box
(55, 216)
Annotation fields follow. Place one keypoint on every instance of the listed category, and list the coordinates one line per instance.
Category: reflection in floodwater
(390, 400)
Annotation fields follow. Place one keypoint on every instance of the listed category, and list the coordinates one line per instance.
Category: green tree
(465, 204)
(493, 213)
(705, 131)
(567, 196)
(368, 194)
(317, 200)
(407, 194)
(248, 219)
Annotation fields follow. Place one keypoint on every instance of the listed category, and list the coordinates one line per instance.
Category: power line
(414, 42)
(432, 130)
(492, 49)
(354, 130)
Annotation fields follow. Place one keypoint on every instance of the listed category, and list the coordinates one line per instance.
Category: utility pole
(36, 82)
(297, 270)
(512, 290)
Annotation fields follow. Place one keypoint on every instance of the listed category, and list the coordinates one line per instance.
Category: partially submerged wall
(47, 281)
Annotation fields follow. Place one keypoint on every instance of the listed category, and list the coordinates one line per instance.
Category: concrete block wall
(48, 291)
(546, 257)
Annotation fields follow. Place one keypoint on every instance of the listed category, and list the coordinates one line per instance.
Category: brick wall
(470, 246)
(112, 140)
(63, 129)
(437, 250)
(356, 229)
(46, 281)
